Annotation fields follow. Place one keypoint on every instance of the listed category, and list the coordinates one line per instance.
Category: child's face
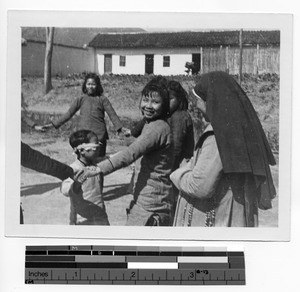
(90, 154)
(91, 86)
(152, 106)
(174, 102)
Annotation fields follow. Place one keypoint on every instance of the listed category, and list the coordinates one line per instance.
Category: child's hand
(82, 176)
(39, 128)
(126, 132)
(45, 127)
(79, 176)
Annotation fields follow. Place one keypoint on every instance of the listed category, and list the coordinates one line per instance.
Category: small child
(86, 199)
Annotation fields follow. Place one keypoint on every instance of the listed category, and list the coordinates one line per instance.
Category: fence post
(95, 61)
(241, 57)
(220, 58)
(227, 60)
(257, 59)
(201, 60)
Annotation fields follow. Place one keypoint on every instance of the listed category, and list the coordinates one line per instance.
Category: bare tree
(48, 58)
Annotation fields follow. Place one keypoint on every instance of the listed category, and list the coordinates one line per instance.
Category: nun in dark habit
(229, 176)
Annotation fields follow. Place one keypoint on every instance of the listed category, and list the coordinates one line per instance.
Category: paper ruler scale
(133, 265)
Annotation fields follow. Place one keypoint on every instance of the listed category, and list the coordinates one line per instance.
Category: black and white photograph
(149, 125)
(145, 126)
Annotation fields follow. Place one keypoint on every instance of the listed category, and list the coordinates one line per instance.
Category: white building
(134, 51)
(150, 61)
(167, 53)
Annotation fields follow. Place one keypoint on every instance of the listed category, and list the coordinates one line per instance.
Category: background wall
(177, 64)
(65, 60)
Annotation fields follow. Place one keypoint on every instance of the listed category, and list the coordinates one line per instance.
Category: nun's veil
(241, 141)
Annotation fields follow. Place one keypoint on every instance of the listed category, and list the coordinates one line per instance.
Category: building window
(166, 61)
(122, 61)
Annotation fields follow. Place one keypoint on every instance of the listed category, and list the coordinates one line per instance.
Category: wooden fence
(256, 60)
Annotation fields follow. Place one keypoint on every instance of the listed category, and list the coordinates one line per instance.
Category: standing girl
(229, 177)
(92, 105)
(152, 192)
(180, 122)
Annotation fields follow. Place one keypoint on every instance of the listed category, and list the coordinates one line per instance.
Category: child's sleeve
(75, 106)
(66, 187)
(137, 130)
(112, 114)
(148, 141)
(70, 188)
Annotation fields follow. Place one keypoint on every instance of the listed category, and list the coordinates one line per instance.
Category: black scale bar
(135, 276)
(74, 265)
(113, 265)
(103, 252)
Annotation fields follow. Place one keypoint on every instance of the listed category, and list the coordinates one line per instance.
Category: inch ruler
(133, 265)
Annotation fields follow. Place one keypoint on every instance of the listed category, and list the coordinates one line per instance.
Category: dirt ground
(44, 204)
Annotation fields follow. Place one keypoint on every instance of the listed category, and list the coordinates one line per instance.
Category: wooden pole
(48, 58)
(241, 56)
(220, 61)
(257, 59)
(201, 60)
(227, 60)
(95, 61)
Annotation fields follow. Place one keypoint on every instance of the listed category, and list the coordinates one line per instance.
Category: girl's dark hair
(99, 88)
(80, 137)
(179, 93)
(159, 84)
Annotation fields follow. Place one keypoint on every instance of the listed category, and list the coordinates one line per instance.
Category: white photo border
(247, 21)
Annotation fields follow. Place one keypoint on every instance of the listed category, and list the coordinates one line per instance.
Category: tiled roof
(185, 39)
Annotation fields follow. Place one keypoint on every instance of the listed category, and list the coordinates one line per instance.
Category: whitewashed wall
(99, 64)
(177, 64)
(135, 64)
(135, 61)
(212, 59)
(65, 60)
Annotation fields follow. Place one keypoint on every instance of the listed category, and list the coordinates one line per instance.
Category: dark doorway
(196, 59)
(107, 63)
(149, 61)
